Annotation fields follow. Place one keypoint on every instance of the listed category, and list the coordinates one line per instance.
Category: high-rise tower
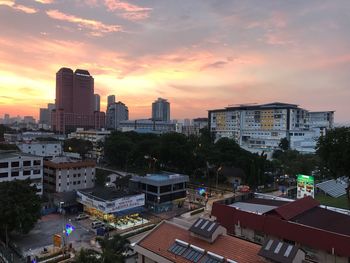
(75, 102)
(161, 110)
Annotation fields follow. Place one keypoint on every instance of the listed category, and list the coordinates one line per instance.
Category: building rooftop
(161, 179)
(298, 207)
(164, 238)
(325, 219)
(13, 154)
(253, 106)
(204, 227)
(65, 162)
(302, 221)
(107, 193)
(253, 208)
(279, 251)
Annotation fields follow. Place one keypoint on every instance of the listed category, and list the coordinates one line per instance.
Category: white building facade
(19, 166)
(259, 128)
(63, 174)
(45, 149)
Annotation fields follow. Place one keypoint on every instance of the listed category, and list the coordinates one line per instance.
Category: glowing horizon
(199, 55)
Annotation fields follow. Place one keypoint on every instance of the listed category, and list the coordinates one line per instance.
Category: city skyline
(226, 52)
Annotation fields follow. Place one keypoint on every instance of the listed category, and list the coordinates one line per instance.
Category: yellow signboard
(57, 240)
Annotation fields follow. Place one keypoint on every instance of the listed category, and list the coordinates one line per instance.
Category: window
(15, 164)
(14, 174)
(4, 165)
(4, 175)
(37, 162)
(26, 173)
(165, 188)
(26, 163)
(67, 183)
(59, 184)
(36, 172)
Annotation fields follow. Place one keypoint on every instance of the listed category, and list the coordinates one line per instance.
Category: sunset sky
(199, 54)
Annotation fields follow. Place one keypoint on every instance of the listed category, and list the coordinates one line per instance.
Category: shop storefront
(119, 211)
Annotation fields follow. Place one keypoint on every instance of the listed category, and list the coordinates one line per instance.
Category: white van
(97, 224)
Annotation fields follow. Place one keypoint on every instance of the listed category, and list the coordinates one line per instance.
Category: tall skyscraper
(97, 102)
(110, 100)
(161, 110)
(75, 102)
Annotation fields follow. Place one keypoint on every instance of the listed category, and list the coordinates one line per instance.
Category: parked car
(81, 217)
(97, 224)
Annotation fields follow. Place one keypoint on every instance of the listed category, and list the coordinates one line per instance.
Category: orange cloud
(23, 8)
(98, 28)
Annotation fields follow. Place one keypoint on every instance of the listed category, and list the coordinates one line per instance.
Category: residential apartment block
(63, 174)
(20, 166)
(260, 128)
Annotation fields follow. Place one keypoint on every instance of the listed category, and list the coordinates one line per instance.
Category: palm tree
(114, 249)
(88, 256)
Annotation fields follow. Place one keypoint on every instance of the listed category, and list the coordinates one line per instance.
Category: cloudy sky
(199, 54)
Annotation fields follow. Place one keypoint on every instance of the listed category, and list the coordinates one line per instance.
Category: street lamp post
(217, 176)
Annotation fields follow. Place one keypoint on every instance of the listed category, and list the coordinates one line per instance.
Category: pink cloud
(98, 28)
(135, 16)
(130, 11)
(23, 8)
(125, 6)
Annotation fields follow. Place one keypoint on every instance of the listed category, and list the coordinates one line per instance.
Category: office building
(21, 166)
(75, 106)
(259, 128)
(322, 232)
(97, 102)
(161, 110)
(163, 191)
(110, 100)
(63, 174)
(116, 113)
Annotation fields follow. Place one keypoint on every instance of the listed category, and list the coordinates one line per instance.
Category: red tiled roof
(293, 209)
(309, 229)
(161, 239)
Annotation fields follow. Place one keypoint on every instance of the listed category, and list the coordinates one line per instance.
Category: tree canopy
(77, 146)
(176, 152)
(19, 207)
(334, 152)
(113, 251)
